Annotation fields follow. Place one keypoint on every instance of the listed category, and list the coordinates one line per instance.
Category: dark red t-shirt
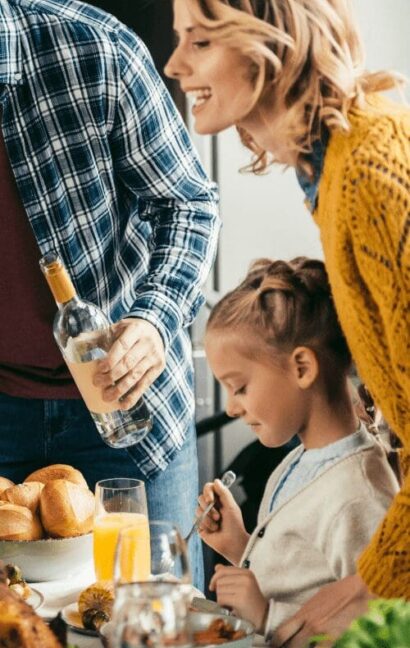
(31, 365)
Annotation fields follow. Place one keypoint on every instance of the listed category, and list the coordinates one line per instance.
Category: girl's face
(217, 78)
(265, 395)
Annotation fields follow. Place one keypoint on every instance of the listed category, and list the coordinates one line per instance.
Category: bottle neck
(58, 279)
(74, 301)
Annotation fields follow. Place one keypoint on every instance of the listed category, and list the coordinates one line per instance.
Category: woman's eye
(200, 44)
(241, 390)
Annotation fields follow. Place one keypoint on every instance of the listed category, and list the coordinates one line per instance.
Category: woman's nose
(176, 66)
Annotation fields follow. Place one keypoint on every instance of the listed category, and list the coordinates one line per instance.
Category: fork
(227, 479)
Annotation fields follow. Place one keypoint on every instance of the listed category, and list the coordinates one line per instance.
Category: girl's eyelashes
(241, 390)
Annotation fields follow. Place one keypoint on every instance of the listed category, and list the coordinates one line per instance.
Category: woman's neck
(267, 129)
(329, 422)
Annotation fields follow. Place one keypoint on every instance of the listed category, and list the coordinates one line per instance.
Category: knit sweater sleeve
(378, 203)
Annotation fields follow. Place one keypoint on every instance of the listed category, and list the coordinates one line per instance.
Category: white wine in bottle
(84, 336)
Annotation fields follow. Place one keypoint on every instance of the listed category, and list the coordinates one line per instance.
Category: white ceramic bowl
(50, 559)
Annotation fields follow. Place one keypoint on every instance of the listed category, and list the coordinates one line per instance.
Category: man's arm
(154, 157)
(155, 160)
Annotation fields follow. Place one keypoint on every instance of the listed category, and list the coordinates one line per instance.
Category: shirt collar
(310, 185)
(345, 446)
(10, 52)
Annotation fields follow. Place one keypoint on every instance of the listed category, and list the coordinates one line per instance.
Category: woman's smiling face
(215, 77)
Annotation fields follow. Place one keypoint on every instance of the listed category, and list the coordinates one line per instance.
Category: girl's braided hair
(286, 305)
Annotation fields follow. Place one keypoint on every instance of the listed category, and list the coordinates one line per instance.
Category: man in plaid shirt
(96, 164)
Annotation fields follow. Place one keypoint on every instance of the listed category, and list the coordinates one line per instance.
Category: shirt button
(17, 76)
(246, 564)
(261, 533)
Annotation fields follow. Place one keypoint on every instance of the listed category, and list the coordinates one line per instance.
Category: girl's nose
(176, 66)
(233, 408)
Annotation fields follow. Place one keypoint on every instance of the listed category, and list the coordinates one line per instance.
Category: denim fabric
(36, 433)
(310, 186)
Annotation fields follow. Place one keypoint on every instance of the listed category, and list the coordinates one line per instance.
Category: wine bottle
(84, 336)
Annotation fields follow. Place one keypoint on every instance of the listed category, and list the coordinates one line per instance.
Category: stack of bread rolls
(52, 502)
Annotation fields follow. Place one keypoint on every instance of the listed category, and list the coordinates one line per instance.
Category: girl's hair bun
(287, 304)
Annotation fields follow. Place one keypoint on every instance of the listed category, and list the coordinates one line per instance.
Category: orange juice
(135, 559)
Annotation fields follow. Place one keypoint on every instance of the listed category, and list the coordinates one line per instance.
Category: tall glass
(150, 614)
(167, 551)
(120, 503)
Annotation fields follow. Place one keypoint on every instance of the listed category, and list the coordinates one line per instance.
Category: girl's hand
(238, 589)
(223, 528)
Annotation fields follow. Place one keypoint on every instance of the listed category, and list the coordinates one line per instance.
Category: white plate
(71, 616)
(36, 599)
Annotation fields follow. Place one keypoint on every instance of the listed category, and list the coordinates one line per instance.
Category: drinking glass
(167, 552)
(151, 614)
(120, 503)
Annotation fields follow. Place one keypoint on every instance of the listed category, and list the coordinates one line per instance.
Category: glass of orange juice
(167, 554)
(121, 503)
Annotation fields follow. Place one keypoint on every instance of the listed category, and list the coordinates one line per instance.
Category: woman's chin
(205, 129)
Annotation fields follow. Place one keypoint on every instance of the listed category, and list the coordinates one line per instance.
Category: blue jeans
(37, 433)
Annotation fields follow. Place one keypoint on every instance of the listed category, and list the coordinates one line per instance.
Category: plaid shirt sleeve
(154, 158)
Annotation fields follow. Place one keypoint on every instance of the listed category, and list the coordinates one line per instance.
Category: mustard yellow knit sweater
(364, 218)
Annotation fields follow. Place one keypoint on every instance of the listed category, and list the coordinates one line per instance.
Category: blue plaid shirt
(109, 178)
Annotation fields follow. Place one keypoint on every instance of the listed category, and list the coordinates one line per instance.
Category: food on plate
(95, 605)
(66, 509)
(13, 577)
(218, 632)
(19, 523)
(27, 495)
(57, 471)
(20, 627)
(5, 483)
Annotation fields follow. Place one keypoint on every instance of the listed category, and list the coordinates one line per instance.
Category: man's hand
(238, 589)
(328, 612)
(223, 528)
(134, 361)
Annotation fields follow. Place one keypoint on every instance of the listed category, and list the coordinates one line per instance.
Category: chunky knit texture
(364, 218)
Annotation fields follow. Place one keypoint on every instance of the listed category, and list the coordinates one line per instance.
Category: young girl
(289, 74)
(276, 346)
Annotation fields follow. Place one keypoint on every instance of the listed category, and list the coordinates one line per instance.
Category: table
(58, 594)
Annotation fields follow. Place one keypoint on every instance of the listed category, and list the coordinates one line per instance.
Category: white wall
(265, 216)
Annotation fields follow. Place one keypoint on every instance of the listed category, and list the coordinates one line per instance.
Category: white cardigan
(316, 536)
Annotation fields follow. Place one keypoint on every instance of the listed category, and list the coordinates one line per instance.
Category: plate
(36, 599)
(71, 616)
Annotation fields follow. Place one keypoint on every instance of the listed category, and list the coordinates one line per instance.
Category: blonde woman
(289, 75)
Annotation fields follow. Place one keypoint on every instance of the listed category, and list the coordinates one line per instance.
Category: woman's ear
(305, 366)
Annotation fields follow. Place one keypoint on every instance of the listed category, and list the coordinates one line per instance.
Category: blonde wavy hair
(306, 61)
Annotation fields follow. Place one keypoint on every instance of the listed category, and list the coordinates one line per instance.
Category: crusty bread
(57, 471)
(66, 509)
(27, 495)
(18, 523)
(20, 627)
(5, 483)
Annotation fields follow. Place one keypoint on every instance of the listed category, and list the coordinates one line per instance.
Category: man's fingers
(135, 394)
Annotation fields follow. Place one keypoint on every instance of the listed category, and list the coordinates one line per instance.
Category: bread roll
(66, 509)
(18, 523)
(57, 471)
(24, 495)
(5, 483)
